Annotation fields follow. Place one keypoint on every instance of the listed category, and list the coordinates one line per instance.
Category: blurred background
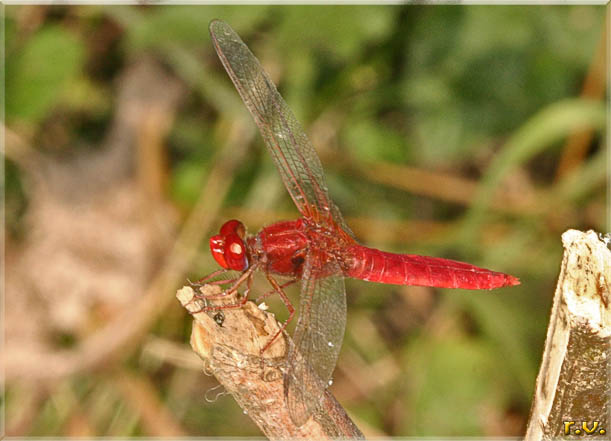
(467, 132)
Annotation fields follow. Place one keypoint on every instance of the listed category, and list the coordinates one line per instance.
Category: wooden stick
(230, 342)
(573, 389)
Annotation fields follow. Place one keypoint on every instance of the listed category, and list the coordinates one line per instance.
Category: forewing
(284, 137)
(318, 336)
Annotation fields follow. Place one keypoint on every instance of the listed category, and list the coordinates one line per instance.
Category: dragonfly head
(228, 247)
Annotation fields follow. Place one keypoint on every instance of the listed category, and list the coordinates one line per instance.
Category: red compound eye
(235, 253)
(217, 247)
(233, 226)
(228, 248)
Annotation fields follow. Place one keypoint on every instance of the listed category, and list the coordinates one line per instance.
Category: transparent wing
(318, 336)
(287, 142)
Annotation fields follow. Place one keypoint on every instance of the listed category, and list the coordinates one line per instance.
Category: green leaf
(372, 141)
(348, 28)
(37, 76)
(547, 127)
(188, 25)
(452, 383)
(187, 182)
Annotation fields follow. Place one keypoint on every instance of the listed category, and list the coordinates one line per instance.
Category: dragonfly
(317, 250)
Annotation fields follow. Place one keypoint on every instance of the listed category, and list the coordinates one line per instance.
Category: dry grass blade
(142, 397)
(594, 86)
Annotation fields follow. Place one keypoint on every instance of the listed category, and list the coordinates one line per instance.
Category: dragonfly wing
(293, 154)
(318, 337)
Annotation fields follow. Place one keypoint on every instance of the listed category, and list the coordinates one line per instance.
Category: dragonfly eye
(235, 252)
(229, 251)
(236, 249)
(233, 226)
(217, 248)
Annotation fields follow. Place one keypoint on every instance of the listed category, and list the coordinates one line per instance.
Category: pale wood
(231, 352)
(573, 381)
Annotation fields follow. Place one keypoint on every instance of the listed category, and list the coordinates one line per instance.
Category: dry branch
(230, 346)
(573, 382)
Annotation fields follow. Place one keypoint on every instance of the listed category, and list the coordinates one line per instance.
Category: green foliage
(349, 29)
(487, 94)
(370, 141)
(188, 178)
(552, 124)
(185, 25)
(478, 71)
(451, 401)
(41, 71)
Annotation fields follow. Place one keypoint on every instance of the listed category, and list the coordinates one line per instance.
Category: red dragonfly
(318, 249)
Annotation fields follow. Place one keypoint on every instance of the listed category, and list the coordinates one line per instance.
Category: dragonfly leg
(236, 283)
(220, 282)
(238, 304)
(204, 279)
(232, 289)
(289, 306)
(273, 291)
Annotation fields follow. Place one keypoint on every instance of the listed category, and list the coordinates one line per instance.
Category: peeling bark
(573, 391)
(230, 346)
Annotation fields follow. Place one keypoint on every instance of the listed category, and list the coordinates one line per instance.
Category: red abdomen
(409, 269)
